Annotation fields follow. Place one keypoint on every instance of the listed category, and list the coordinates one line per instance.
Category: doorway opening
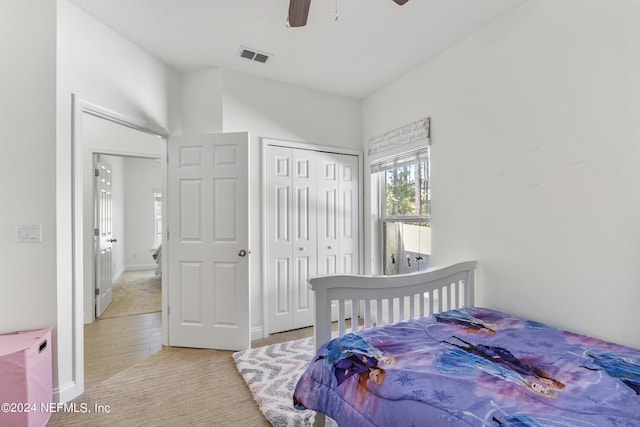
(128, 235)
(97, 131)
(127, 283)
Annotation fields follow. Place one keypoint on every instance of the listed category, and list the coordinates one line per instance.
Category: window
(406, 211)
(157, 209)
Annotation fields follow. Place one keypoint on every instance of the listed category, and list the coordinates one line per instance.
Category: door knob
(243, 252)
(112, 240)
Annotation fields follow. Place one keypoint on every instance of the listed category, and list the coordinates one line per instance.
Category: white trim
(264, 142)
(140, 267)
(257, 333)
(118, 277)
(121, 119)
(305, 146)
(79, 250)
(66, 392)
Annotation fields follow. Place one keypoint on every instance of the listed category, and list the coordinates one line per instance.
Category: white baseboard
(118, 277)
(136, 267)
(66, 393)
(257, 333)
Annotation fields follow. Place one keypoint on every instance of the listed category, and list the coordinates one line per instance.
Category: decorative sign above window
(400, 139)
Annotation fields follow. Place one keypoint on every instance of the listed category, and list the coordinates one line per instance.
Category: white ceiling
(371, 43)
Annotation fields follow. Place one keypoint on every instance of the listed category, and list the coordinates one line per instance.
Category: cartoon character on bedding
(351, 355)
(500, 363)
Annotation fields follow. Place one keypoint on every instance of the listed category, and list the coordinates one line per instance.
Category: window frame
(379, 174)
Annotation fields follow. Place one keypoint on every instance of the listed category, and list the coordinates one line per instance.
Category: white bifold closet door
(337, 192)
(291, 231)
(311, 228)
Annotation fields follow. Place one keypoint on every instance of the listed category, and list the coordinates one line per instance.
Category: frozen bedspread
(472, 367)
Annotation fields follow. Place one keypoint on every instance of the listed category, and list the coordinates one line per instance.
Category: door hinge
(96, 232)
(96, 172)
(167, 234)
(97, 291)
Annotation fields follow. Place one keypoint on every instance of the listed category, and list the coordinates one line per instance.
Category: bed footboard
(369, 301)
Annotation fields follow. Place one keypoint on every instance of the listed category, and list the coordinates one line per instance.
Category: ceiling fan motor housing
(299, 11)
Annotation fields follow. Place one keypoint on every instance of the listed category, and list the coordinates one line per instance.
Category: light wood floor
(111, 345)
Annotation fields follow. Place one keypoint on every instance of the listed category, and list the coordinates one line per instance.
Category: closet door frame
(265, 142)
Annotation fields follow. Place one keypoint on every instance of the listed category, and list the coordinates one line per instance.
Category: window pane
(407, 191)
(407, 246)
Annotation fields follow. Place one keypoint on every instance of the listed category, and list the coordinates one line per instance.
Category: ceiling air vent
(253, 54)
(260, 58)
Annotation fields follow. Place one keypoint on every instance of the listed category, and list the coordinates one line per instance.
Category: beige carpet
(174, 387)
(171, 388)
(138, 292)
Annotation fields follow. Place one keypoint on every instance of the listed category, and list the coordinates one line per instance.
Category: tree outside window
(407, 191)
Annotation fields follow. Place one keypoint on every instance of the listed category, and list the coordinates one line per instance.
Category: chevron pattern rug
(272, 373)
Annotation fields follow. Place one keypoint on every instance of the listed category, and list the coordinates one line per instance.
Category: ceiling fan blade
(298, 12)
(401, 2)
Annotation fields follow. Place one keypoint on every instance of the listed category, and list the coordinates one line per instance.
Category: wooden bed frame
(370, 301)
(380, 300)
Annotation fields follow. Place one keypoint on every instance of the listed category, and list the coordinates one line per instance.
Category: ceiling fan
(299, 11)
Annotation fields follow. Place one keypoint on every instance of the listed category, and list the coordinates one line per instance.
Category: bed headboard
(377, 300)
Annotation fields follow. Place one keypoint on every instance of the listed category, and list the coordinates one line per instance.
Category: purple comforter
(472, 367)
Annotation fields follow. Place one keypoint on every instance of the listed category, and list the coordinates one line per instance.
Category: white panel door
(328, 214)
(103, 234)
(338, 214)
(279, 270)
(291, 237)
(208, 235)
(304, 235)
(338, 217)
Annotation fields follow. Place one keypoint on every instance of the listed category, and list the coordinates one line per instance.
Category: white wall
(202, 102)
(27, 166)
(535, 136)
(142, 177)
(105, 69)
(272, 109)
